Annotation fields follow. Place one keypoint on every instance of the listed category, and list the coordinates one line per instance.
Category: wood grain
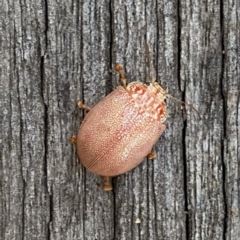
(201, 77)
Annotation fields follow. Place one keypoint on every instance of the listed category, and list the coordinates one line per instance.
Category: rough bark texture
(56, 52)
(201, 76)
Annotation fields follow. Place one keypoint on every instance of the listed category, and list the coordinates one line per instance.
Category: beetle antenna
(149, 58)
(119, 69)
(186, 104)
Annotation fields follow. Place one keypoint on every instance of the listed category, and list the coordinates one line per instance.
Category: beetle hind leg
(107, 183)
(119, 69)
(83, 106)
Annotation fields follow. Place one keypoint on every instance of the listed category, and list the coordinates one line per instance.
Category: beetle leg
(107, 183)
(151, 155)
(73, 139)
(119, 69)
(82, 106)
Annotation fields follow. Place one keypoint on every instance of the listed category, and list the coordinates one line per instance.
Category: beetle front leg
(151, 155)
(82, 106)
(107, 183)
(73, 140)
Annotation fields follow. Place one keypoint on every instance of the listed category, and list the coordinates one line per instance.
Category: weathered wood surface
(56, 52)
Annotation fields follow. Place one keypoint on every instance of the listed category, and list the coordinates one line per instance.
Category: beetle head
(149, 98)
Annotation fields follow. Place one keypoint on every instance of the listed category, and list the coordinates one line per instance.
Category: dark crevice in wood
(114, 209)
(185, 175)
(50, 215)
(109, 86)
(138, 229)
(127, 36)
(23, 209)
(157, 47)
(21, 158)
(155, 204)
(20, 130)
(46, 24)
(45, 166)
(224, 125)
(81, 64)
(184, 148)
(156, 72)
(179, 45)
(224, 192)
(148, 200)
(222, 73)
(82, 115)
(21, 162)
(85, 203)
(148, 64)
(13, 65)
(45, 105)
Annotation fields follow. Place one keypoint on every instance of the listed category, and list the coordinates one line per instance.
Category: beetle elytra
(120, 130)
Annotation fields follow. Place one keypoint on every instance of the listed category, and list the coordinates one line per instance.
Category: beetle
(120, 131)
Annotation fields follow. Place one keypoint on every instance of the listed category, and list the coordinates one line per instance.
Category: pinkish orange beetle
(120, 131)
